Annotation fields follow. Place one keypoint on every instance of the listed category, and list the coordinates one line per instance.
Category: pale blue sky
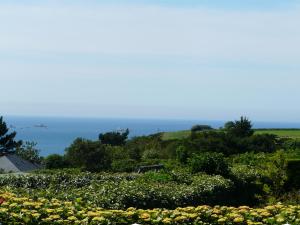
(151, 59)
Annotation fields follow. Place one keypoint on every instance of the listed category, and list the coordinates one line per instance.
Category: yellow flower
(49, 210)
(36, 215)
(47, 219)
(3, 210)
(238, 220)
(55, 217)
(98, 218)
(265, 214)
(72, 218)
(280, 220)
(180, 218)
(167, 221)
(15, 215)
(145, 216)
(222, 220)
(92, 214)
(68, 203)
(13, 205)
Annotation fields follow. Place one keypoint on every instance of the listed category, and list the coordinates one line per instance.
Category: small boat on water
(40, 126)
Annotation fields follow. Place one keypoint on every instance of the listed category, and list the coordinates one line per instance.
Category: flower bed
(22, 210)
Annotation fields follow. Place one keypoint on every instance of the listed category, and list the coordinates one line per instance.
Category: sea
(54, 134)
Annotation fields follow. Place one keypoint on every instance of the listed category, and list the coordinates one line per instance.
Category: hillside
(289, 133)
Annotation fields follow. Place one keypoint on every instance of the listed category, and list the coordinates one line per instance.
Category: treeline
(203, 149)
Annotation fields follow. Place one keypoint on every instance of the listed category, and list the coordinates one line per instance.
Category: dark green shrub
(151, 154)
(248, 188)
(182, 176)
(182, 154)
(90, 155)
(210, 163)
(290, 144)
(293, 173)
(55, 161)
(263, 143)
(160, 177)
(125, 165)
(134, 153)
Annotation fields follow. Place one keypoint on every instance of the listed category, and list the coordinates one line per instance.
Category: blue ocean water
(53, 135)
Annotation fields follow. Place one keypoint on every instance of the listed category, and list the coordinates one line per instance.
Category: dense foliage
(8, 144)
(114, 138)
(28, 151)
(89, 155)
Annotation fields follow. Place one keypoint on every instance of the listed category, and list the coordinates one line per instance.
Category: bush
(55, 161)
(151, 154)
(90, 155)
(263, 143)
(210, 163)
(28, 151)
(160, 177)
(125, 165)
(290, 144)
(182, 154)
(293, 173)
(248, 188)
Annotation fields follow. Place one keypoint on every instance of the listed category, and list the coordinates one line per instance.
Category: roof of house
(14, 163)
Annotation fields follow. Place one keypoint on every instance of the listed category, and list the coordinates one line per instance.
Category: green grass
(290, 133)
(176, 135)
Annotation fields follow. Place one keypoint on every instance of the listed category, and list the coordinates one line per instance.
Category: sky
(191, 59)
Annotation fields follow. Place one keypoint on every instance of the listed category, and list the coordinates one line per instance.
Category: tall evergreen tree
(7, 140)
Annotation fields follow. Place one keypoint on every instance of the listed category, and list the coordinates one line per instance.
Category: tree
(229, 125)
(89, 155)
(7, 140)
(28, 151)
(240, 128)
(115, 138)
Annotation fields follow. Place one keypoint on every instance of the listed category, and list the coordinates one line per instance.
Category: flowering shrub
(22, 210)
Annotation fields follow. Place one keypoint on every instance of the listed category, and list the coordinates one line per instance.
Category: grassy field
(290, 133)
(176, 135)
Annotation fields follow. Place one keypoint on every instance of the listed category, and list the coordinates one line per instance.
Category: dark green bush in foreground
(210, 163)
(293, 173)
